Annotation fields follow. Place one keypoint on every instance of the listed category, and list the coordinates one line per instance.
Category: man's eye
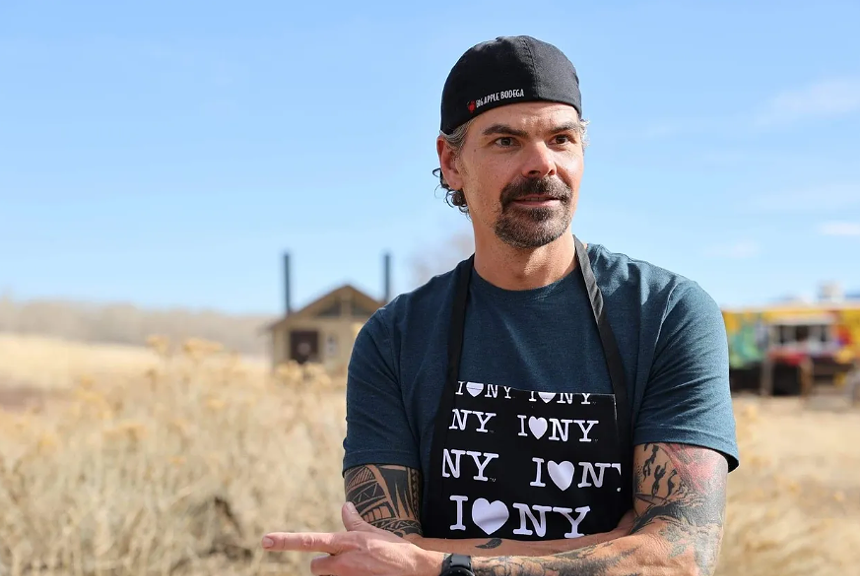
(562, 139)
(505, 141)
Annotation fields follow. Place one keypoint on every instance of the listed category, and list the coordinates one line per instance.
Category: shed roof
(312, 309)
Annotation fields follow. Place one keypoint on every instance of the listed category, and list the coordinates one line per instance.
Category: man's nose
(538, 162)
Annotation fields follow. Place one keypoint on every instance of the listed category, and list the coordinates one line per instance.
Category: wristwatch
(457, 565)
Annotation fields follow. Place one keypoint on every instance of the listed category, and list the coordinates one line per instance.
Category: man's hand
(361, 551)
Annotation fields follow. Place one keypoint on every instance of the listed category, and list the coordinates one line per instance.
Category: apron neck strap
(612, 356)
(457, 326)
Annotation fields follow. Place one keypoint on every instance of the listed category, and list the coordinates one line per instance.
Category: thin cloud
(833, 98)
(826, 99)
(741, 250)
(840, 229)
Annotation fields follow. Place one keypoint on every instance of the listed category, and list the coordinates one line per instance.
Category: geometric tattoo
(387, 497)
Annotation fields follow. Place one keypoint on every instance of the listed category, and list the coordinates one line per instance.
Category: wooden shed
(323, 331)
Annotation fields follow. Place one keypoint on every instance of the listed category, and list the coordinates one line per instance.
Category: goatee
(532, 227)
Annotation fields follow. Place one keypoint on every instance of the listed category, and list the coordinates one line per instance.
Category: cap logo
(496, 97)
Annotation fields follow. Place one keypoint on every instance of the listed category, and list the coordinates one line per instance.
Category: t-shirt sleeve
(377, 429)
(687, 398)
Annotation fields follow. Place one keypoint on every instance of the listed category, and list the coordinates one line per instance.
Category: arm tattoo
(494, 543)
(585, 562)
(679, 505)
(682, 489)
(387, 497)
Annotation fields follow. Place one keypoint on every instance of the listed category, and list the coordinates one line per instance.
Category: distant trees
(438, 259)
(129, 324)
(120, 323)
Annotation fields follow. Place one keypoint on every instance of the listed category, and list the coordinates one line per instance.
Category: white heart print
(538, 426)
(489, 517)
(474, 388)
(561, 473)
(546, 396)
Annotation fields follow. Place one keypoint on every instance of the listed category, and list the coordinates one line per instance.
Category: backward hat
(507, 70)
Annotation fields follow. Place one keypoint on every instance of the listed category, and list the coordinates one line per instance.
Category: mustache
(550, 187)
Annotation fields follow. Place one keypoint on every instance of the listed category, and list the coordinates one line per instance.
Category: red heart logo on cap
(472, 106)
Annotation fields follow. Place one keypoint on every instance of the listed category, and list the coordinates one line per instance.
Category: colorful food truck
(772, 347)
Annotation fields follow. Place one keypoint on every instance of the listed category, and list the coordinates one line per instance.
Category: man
(507, 416)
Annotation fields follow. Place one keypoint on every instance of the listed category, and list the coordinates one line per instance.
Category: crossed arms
(677, 524)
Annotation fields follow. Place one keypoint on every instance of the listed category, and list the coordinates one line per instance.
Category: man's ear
(448, 164)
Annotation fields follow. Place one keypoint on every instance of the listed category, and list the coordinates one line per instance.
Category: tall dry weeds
(179, 472)
(181, 468)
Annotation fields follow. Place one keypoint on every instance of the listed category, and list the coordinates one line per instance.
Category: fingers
(324, 566)
(353, 521)
(303, 542)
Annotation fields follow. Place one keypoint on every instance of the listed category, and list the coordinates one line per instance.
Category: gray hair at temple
(456, 139)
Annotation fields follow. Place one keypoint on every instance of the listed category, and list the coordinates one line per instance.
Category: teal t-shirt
(670, 334)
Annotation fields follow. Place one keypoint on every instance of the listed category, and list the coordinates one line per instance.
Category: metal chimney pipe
(287, 307)
(386, 278)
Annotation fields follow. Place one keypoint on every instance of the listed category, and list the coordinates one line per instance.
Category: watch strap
(458, 564)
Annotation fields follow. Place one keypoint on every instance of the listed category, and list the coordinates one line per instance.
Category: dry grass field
(132, 462)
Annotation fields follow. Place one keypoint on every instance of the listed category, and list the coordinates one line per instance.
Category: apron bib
(523, 465)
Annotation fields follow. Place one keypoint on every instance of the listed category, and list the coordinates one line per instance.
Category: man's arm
(389, 498)
(680, 498)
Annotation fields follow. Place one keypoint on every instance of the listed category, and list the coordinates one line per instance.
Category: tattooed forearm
(387, 497)
(579, 562)
(494, 543)
(679, 509)
(681, 491)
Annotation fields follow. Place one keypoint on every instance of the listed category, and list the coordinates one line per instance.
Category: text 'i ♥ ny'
(484, 448)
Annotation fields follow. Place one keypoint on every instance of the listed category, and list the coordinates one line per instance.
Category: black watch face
(458, 571)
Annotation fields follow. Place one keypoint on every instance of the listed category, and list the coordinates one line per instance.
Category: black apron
(522, 465)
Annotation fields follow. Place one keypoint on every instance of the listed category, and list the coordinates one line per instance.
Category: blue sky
(167, 153)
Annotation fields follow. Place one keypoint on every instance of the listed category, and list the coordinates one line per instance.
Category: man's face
(519, 169)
